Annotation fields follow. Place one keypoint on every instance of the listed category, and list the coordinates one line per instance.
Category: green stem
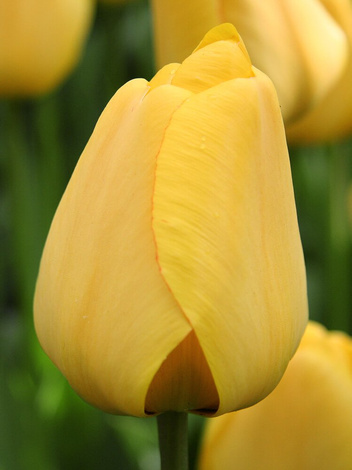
(338, 242)
(173, 440)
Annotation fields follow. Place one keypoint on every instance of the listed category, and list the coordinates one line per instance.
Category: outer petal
(306, 423)
(229, 252)
(103, 312)
(40, 42)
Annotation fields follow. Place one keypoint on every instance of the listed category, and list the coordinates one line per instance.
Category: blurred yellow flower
(305, 423)
(173, 277)
(40, 43)
(331, 117)
(304, 46)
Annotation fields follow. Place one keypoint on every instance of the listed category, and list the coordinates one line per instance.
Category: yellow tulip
(172, 276)
(304, 46)
(40, 43)
(331, 117)
(305, 423)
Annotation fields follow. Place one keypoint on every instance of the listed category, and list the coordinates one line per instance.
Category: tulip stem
(173, 440)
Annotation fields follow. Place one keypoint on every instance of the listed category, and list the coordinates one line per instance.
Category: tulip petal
(103, 312)
(164, 76)
(220, 56)
(305, 423)
(212, 65)
(223, 32)
(230, 254)
(301, 48)
(184, 382)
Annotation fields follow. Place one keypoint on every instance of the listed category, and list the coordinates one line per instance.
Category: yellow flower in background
(40, 43)
(331, 117)
(305, 423)
(173, 276)
(304, 46)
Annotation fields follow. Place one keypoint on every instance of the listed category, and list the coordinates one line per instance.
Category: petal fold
(229, 252)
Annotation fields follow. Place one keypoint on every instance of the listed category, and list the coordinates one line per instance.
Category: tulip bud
(173, 277)
(40, 42)
(304, 47)
(305, 423)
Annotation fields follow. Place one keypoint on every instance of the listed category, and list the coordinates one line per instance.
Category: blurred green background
(43, 424)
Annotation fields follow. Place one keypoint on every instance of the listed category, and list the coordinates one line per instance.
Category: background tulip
(305, 423)
(173, 277)
(40, 42)
(302, 45)
(331, 117)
